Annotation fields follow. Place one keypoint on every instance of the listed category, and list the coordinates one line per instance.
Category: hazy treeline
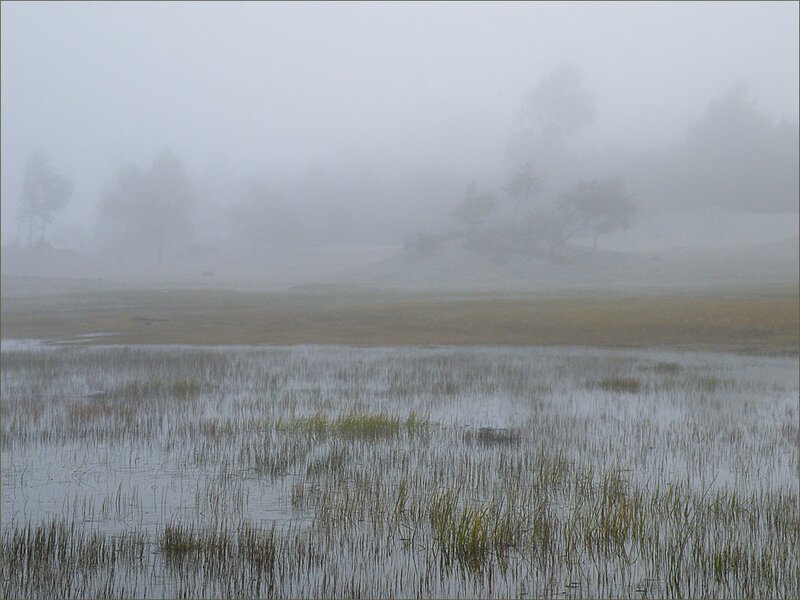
(549, 187)
(731, 157)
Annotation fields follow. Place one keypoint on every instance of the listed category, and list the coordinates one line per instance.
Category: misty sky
(279, 88)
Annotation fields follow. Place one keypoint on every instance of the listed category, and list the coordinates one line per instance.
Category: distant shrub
(422, 243)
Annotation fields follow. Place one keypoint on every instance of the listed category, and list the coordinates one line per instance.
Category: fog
(336, 141)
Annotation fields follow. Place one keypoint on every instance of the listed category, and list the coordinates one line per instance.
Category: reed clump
(357, 425)
(619, 384)
(493, 435)
(184, 387)
(179, 539)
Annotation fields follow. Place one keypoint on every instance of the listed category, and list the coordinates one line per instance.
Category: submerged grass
(256, 545)
(340, 472)
(179, 539)
(357, 425)
(461, 534)
(493, 435)
(627, 385)
(368, 426)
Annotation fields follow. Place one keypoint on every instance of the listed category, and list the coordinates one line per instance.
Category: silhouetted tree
(168, 202)
(476, 206)
(123, 202)
(149, 208)
(548, 229)
(596, 207)
(523, 186)
(554, 111)
(736, 157)
(43, 193)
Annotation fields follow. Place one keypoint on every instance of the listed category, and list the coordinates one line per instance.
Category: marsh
(317, 471)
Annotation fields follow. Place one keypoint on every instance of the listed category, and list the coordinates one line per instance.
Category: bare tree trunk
(595, 240)
(30, 232)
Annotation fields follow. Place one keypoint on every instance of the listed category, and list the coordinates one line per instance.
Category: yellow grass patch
(764, 321)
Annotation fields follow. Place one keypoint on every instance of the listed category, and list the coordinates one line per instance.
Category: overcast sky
(277, 88)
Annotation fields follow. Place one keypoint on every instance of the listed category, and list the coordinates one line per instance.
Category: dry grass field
(747, 320)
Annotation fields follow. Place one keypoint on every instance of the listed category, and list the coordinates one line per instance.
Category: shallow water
(138, 439)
